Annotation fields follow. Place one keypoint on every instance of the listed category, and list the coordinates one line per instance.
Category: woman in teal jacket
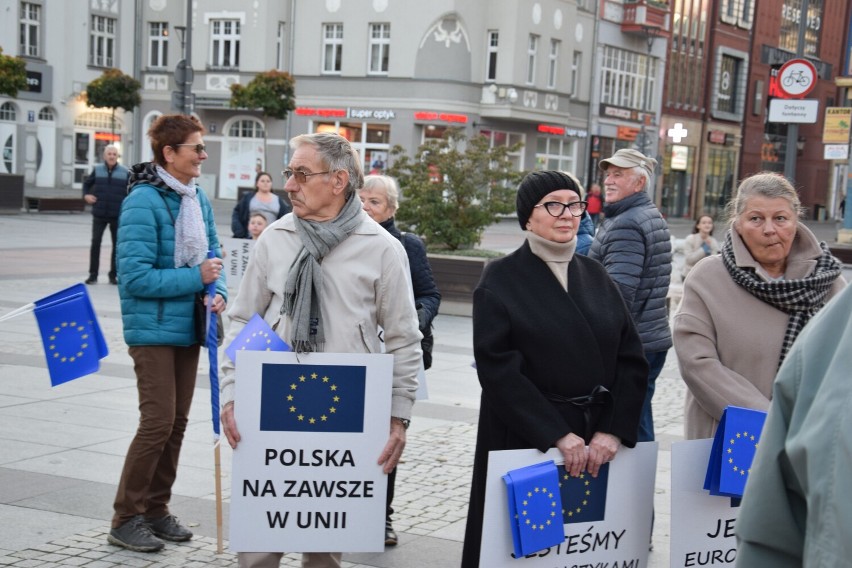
(166, 228)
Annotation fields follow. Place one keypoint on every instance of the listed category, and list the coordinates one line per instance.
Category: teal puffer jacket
(157, 299)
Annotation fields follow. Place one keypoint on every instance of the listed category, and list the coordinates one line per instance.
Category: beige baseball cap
(629, 158)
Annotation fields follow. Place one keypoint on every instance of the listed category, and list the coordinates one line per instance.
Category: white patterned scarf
(190, 231)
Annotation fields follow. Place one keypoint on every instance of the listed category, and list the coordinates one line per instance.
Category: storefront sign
(323, 112)
(835, 129)
(372, 114)
(441, 116)
(626, 133)
(836, 152)
(717, 136)
(626, 114)
(33, 81)
(680, 157)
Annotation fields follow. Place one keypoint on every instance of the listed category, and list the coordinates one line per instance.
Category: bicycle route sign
(797, 78)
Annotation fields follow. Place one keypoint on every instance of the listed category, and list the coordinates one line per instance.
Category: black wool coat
(531, 339)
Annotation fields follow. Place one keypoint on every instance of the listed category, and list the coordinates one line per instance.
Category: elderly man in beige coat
(337, 306)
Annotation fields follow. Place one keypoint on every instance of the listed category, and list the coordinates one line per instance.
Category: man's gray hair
(337, 154)
(642, 172)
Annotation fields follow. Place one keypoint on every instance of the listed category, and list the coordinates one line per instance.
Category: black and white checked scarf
(800, 299)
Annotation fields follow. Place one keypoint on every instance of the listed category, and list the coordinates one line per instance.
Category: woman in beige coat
(742, 309)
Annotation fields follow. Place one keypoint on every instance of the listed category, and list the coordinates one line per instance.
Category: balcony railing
(646, 17)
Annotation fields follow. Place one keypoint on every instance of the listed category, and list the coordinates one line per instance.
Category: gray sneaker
(135, 535)
(169, 528)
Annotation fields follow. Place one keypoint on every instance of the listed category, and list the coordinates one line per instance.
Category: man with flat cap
(634, 245)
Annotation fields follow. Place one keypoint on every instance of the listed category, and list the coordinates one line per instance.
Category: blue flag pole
(213, 354)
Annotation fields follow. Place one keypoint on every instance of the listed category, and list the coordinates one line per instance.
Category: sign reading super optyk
(305, 474)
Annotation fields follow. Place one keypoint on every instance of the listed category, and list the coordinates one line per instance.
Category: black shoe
(113, 280)
(390, 535)
(92, 280)
(135, 535)
(169, 528)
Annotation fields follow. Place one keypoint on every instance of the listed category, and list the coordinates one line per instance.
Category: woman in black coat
(263, 201)
(557, 355)
(380, 199)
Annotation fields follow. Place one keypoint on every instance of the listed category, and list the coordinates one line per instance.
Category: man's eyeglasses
(301, 177)
(199, 148)
(556, 209)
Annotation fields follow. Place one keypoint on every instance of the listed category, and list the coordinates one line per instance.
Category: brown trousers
(165, 379)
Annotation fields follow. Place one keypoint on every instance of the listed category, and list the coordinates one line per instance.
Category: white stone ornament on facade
(578, 32)
(380, 5)
(332, 5)
(557, 19)
(530, 99)
(157, 5)
(551, 102)
(439, 33)
(221, 82)
(156, 82)
(536, 13)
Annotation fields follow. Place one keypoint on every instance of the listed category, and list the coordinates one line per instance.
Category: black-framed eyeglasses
(199, 148)
(301, 177)
(556, 209)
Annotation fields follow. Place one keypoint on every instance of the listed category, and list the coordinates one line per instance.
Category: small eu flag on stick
(256, 336)
(73, 341)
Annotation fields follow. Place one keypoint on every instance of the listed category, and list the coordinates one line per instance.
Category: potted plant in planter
(452, 190)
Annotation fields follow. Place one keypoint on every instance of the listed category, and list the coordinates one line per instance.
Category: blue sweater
(157, 299)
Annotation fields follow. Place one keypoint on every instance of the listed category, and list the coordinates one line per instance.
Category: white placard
(836, 152)
(621, 539)
(308, 491)
(237, 252)
(702, 524)
(802, 111)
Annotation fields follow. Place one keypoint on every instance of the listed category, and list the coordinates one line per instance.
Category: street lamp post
(182, 98)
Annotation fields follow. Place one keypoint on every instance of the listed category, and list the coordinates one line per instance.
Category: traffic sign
(797, 78)
(184, 74)
(798, 111)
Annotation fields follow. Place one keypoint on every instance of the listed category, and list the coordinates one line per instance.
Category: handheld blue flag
(534, 508)
(312, 398)
(733, 451)
(583, 497)
(73, 341)
(212, 345)
(256, 336)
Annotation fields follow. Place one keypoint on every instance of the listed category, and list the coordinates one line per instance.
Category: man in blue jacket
(634, 245)
(105, 189)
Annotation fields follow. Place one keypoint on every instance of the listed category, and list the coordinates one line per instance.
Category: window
(158, 44)
(499, 138)
(491, 56)
(8, 112)
(532, 48)
(379, 48)
(729, 84)
(552, 63)
(555, 154)
(332, 51)
(625, 78)
(225, 46)
(30, 28)
(279, 46)
(576, 68)
(102, 42)
(739, 13)
(371, 140)
(46, 113)
(246, 128)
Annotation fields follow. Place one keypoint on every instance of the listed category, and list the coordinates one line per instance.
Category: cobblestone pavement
(61, 449)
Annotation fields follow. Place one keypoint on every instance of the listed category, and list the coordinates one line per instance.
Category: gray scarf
(190, 231)
(800, 299)
(303, 289)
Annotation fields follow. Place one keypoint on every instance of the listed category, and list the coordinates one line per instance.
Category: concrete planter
(456, 278)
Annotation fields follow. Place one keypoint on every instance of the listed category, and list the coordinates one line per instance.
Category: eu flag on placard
(73, 341)
(256, 336)
(583, 497)
(534, 506)
(312, 398)
(733, 451)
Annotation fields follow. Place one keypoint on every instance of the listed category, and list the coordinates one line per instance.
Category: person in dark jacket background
(262, 200)
(105, 189)
(634, 245)
(557, 354)
(380, 199)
